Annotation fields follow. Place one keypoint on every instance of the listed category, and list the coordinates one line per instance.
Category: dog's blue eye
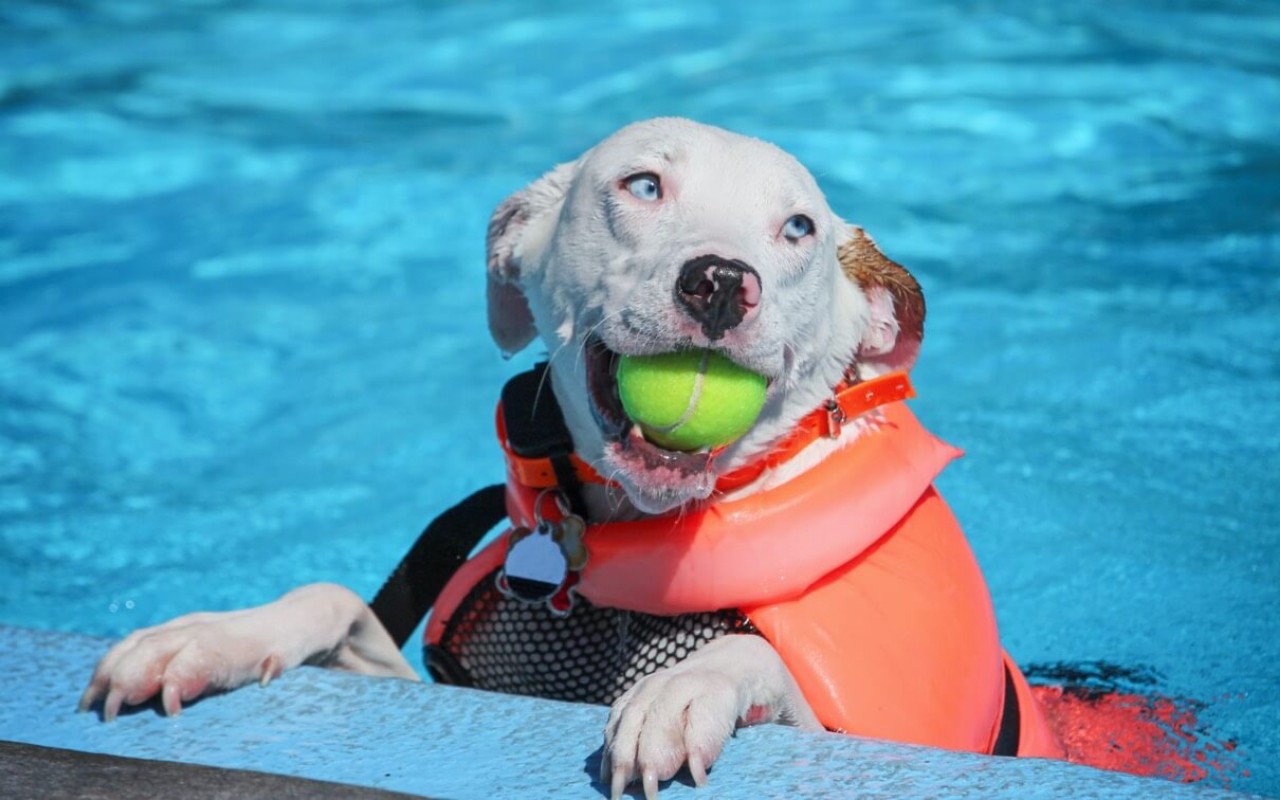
(645, 186)
(797, 227)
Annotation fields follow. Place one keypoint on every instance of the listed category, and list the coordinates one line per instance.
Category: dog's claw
(650, 785)
(272, 668)
(171, 699)
(111, 707)
(88, 698)
(618, 785)
(697, 769)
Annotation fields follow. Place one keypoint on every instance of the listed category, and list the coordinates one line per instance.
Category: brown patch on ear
(871, 270)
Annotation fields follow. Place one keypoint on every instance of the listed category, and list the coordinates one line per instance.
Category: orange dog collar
(849, 400)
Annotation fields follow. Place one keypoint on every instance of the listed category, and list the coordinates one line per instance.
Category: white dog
(667, 235)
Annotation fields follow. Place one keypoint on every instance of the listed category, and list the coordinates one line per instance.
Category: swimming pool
(242, 315)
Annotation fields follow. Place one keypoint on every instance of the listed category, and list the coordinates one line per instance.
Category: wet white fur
(589, 259)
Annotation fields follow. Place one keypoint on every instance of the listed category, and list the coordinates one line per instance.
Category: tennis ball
(690, 399)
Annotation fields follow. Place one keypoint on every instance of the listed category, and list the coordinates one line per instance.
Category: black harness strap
(1010, 722)
(421, 575)
(535, 429)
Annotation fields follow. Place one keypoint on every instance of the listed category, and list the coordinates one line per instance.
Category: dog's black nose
(717, 292)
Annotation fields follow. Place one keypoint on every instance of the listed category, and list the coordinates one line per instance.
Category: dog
(672, 235)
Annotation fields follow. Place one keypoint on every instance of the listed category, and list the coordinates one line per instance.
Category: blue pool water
(242, 340)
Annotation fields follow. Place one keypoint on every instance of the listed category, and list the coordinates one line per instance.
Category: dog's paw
(181, 660)
(322, 624)
(681, 715)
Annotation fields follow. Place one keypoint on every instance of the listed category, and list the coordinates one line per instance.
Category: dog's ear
(896, 327)
(510, 320)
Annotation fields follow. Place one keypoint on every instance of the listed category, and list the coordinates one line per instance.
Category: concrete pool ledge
(441, 741)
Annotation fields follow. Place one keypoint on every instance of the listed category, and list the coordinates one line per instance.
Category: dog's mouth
(620, 432)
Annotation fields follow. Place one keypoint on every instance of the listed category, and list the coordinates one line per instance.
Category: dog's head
(670, 234)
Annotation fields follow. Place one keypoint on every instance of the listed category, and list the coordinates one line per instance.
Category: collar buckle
(835, 418)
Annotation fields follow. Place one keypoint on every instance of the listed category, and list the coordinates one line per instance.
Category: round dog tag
(536, 566)
(544, 565)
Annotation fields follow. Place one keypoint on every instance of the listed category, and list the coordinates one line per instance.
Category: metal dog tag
(543, 565)
(535, 567)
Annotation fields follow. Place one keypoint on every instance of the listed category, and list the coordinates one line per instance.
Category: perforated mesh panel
(592, 656)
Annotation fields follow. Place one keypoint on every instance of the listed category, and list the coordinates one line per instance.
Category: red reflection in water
(1139, 734)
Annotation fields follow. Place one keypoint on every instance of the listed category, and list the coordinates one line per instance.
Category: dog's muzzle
(718, 293)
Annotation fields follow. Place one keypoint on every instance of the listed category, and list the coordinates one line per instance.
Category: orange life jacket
(855, 571)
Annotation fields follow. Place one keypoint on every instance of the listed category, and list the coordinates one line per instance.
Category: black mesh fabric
(591, 656)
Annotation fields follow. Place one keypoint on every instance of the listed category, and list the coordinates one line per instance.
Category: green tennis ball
(690, 399)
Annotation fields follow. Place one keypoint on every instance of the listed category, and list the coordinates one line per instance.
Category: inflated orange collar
(849, 400)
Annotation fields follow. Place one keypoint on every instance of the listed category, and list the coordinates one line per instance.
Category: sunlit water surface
(242, 338)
